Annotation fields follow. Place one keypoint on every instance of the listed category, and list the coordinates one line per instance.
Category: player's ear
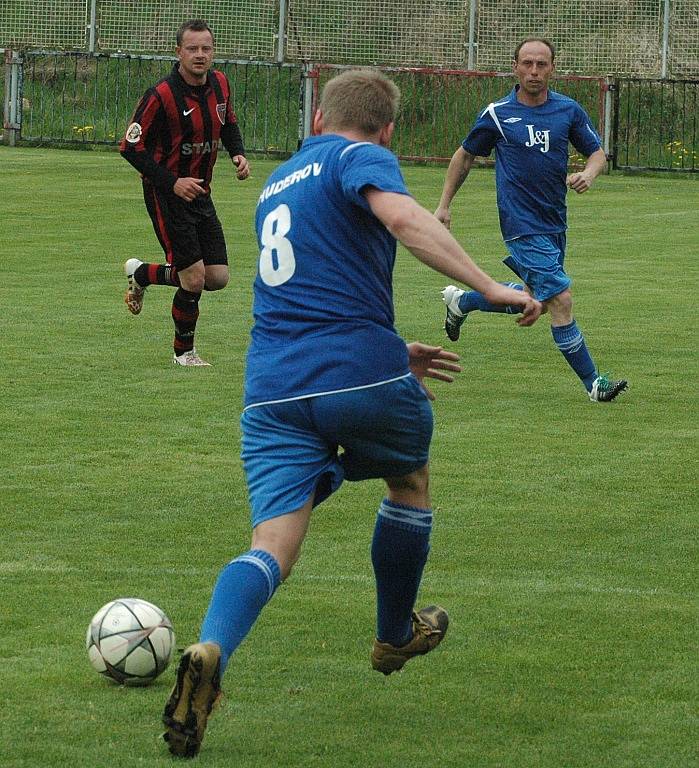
(317, 122)
(386, 134)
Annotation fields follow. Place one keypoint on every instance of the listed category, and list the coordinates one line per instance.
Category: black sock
(185, 311)
(156, 274)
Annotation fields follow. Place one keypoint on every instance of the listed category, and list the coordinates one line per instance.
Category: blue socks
(242, 590)
(567, 337)
(398, 553)
(572, 345)
(473, 300)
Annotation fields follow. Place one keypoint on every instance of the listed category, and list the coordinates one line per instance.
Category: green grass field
(565, 532)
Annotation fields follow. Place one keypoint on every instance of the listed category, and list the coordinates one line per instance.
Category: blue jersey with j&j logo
(323, 297)
(531, 158)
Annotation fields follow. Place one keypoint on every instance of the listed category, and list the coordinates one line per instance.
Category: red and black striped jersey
(176, 129)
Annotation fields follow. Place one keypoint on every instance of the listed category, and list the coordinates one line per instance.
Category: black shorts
(187, 232)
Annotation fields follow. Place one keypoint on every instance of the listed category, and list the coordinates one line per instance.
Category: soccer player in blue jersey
(529, 129)
(331, 390)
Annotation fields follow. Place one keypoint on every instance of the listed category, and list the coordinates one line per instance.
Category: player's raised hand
(242, 167)
(426, 361)
(188, 188)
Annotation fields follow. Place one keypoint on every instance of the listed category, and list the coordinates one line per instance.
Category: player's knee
(216, 283)
(192, 280)
(216, 278)
(567, 299)
(561, 305)
(286, 558)
(415, 484)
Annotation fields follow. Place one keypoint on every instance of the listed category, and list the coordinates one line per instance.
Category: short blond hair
(363, 99)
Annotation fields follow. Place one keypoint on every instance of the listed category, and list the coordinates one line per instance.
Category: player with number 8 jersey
(332, 392)
(324, 280)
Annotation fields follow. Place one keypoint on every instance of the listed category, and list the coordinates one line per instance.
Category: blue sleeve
(369, 165)
(582, 135)
(483, 136)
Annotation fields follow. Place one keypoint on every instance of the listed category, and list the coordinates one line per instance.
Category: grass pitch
(565, 537)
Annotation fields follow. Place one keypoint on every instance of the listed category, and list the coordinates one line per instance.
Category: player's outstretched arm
(431, 362)
(423, 235)
(459, 167)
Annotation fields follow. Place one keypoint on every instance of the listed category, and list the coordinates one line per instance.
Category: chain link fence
(87, 99)
(683, 34)
(75, 68)
(44, 23)
(604, 37)
(243, 29)
(641, 38)
(398, 32)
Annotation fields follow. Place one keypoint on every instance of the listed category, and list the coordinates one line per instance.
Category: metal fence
(439, 105)
(77, 98)
(82, 98)
(656, 125)
(87, 99)
(640, 38)
(75, 68)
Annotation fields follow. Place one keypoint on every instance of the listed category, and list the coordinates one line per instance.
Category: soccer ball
(130, 641)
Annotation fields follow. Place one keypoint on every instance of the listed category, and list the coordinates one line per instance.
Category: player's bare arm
(431, 362)
(582, 180)
(431, 243)
(459, 167)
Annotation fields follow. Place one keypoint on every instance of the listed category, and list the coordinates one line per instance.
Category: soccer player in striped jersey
(173, 141)
(332, 392)
(530, 129)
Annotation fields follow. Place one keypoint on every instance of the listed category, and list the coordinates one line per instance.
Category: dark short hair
(535, 39)
(193, 25)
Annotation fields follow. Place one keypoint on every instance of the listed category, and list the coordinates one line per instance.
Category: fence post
(305, 102)
(666, 38)
(281, 34)
(12, 105)
(471, 64)
(608, 117)
(615, 124)
(92, 26)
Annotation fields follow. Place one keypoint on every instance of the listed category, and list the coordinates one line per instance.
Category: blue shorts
(290, 449)
(538, 261)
